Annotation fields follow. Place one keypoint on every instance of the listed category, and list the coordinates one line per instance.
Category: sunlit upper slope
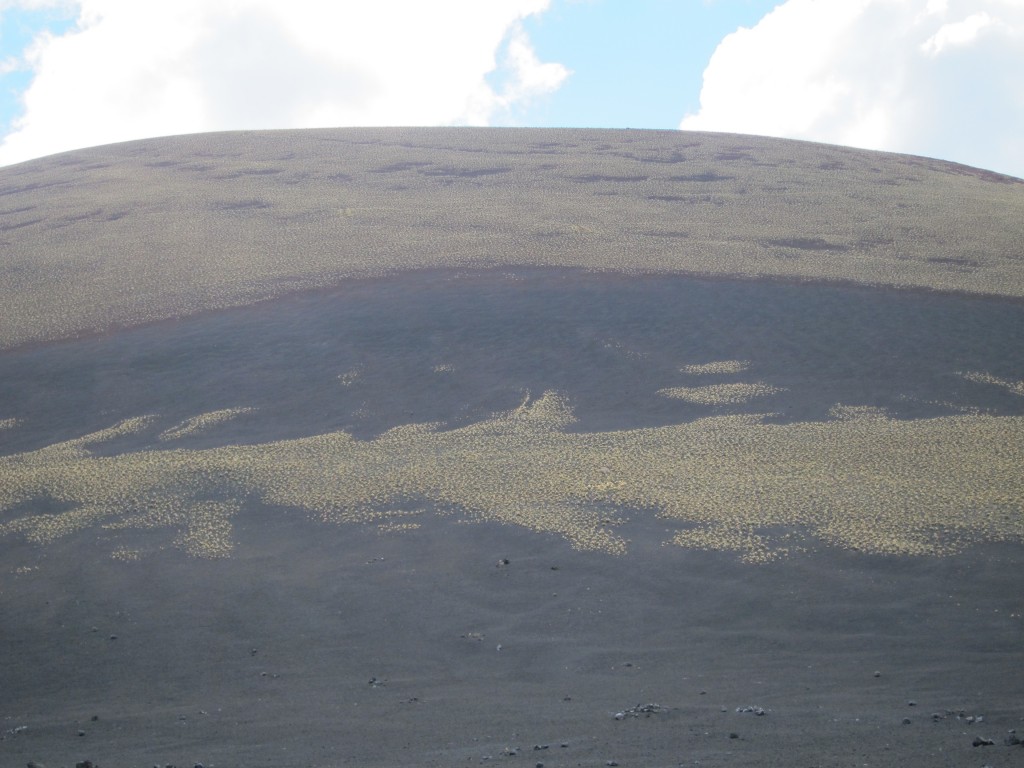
(134, 232)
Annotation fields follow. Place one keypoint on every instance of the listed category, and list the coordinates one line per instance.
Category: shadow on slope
(456, 347)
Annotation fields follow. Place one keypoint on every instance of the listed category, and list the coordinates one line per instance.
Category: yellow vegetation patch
(349, 378)
(720, 394)
(397, 527)
(1016, 387)
(203, 421)
(204, 527)
(207, 531)
(717, 367)
(736, 483)
(749, 545)
(857, 412)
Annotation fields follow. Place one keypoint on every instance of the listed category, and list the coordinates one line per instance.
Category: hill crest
(132, 233)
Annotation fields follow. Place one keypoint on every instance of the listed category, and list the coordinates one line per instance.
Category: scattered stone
(906, 721)
(936, 716)
(94, 718)
(503, 562)
(877, 673)
(640, 709)
(982, 742)
(538, 747)
(377, 682)
(34, 764)
(759, 711)
(734, 735)
(81, 733)
(911, 703)
(969, 719)
(1012, 739)
(86, 764)
(113, 637)
(611, 763)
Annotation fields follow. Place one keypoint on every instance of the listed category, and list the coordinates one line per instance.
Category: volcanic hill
(455, 446)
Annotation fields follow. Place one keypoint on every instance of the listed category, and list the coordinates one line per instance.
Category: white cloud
(528, 75)
(133, 69)
(960, 33)
(942, 78)
(33, 5)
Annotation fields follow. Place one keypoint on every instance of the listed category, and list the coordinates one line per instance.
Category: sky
(940, 78)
